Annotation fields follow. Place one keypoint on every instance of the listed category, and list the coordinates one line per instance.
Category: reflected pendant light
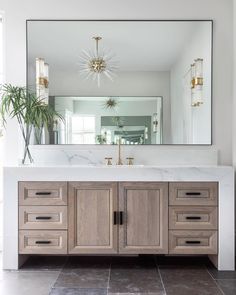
(98, 63)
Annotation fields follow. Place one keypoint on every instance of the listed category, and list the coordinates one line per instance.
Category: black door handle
(43, 218)
(193, 217)
(43, 193)
(193, 194)
(43, 242)
(121, 217)
(192, 242)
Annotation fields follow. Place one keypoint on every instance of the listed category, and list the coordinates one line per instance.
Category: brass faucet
(119, 162)
(130, 161)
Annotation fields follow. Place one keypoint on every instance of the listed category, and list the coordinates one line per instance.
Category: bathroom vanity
(123, 217)
(77, 210)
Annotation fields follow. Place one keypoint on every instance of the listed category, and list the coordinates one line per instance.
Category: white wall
(234, 87)
(192, 124)
(16, 12)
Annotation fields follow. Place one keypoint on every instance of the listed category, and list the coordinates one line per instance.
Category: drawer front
(192, 242)
(184, 217)
(193, 193)
(43, 217)
(42, 193)
(42, 242)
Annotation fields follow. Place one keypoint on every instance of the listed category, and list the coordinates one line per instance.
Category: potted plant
(29, 110)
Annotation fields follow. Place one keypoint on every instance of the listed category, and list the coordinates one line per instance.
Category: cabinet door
(144, 224)
(91, 210)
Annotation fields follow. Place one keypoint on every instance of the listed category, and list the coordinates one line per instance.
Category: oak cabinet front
(91, 212)
(144, 213)
(118, 217)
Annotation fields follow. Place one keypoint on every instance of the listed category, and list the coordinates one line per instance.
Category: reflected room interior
(143, 82)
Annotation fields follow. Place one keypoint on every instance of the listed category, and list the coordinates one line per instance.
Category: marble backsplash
(145, 155)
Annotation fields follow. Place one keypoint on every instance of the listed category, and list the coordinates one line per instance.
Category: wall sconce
(155, 122)
(197, 82)
(42, 79)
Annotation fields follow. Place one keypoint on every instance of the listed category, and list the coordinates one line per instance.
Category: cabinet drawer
(184, 217)
(42, 193)
(193, 193)
(43, 217)
(192, 242)
(42, 242)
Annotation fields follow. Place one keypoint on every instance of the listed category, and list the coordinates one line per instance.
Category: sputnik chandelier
(98, 63)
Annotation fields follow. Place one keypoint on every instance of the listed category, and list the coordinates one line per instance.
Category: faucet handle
(108, 161)
(130, 160)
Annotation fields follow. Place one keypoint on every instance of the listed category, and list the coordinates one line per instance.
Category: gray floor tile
(135, 281)
(77, 291)
(134, 275)
(27, 283)
(44, 263)
(227, 286)
(221, 275)
(185, 281)
(83, 278)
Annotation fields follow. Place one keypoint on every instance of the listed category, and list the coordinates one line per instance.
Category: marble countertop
(119, 173)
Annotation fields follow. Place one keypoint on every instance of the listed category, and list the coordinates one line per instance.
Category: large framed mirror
(137, 82)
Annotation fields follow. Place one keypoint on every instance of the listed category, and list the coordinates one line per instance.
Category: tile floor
(117, 275)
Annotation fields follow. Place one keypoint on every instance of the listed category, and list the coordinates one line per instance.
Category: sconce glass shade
(42, 79)
(192, 75)
(39, 67)
(197, 82)
(199, 68)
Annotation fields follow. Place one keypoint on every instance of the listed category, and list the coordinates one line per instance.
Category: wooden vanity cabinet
(43, 217)
(193, 218)
(100, 222)
(144, 224)
(92, 229)
(118, 218)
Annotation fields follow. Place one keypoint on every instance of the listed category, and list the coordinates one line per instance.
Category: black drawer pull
(193, 217)
(115, 218)
(43, 218)
(121, 217)
(43, 193)
(43, 242)
(193, 194)
(193, 242)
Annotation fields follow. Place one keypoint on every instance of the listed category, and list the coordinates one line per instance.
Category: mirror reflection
(140, 82)
(105, 120)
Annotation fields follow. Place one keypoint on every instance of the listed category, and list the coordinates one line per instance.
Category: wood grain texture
(31, 242)
(193, 193)
(192, 217)
(145, 207)
(31, 217)
(42, 193)
(91, 207)
(192, 242)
